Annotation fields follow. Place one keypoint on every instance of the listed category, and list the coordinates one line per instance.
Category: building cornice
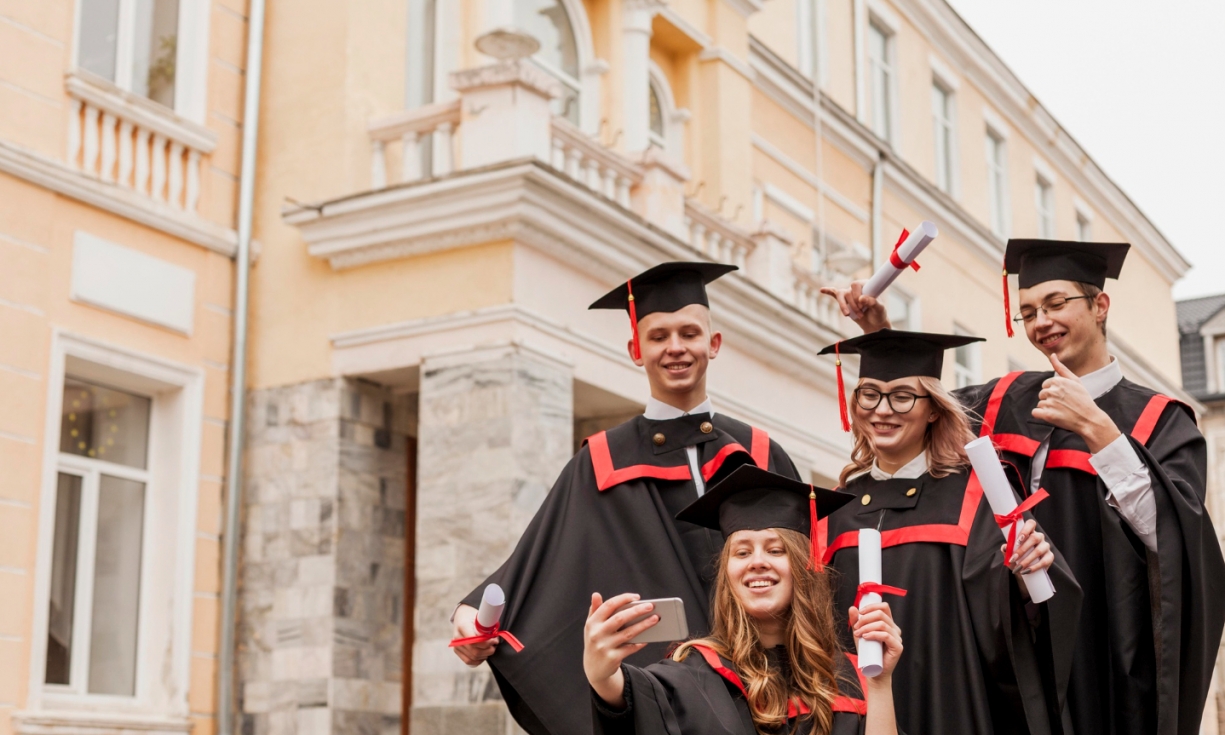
(745, 7)
(55, 176)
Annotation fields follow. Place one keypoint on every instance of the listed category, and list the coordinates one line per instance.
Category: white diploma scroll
(871, 653)
(999, 493)
(492, 602)
(884, 276)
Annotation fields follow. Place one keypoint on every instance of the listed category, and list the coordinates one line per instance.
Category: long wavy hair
(944, 441)
(810, 640)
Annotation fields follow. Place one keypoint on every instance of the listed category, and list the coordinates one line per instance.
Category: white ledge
(51, 174)
(93, 722)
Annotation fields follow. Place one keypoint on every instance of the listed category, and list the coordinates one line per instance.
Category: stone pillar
(505, 113)
(495, 430)
(322, 583)
(636, 28)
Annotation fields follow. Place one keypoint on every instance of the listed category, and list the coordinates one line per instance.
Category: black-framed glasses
(901, 401)
(1048, 307)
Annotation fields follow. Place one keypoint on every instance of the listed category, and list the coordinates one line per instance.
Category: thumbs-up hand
(1066, 403)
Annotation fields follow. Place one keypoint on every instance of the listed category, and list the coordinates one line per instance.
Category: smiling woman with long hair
(973, 664)
(772, 662)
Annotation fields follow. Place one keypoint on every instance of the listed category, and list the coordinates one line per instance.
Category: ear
(1102, 304)
(716, 341)
(629, 349)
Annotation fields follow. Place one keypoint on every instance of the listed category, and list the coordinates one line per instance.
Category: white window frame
(914, 316)
(998, 211)
(1084, 221)
(590, 69)
(810, 23)
(884, 97)
(675, 118)
(964, 375)
(191, 57)
(1044, 206)
(1218, 353)
(169, 543)
(944, 126)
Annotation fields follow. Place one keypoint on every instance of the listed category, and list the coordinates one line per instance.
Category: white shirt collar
(1103, 380)
(660, 411)
(909, 471)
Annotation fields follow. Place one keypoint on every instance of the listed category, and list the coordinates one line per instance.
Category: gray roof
(1192, 313)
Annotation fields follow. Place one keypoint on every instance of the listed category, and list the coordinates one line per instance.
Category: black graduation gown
(1123, 679)
(971, 664)
(703, 695)
(607, 526)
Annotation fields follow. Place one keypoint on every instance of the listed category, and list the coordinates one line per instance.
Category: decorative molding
(97, 723)
(689, 30)
(745, 7)
(51, 174)
(885, 16)
(810, 178)
(719, 53)
(136, 109)
(944, 74)
(517, 72)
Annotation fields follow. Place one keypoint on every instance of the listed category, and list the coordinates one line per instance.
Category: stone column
(322, 584)
(495, 430)
(505, 112)
(636, 28)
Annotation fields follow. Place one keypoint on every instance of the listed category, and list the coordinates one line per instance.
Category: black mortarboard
(890, 354)
(1038, 261)
(752, 499)
(667, 287)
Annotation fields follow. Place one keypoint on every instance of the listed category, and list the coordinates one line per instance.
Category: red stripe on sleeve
(1143, 430)
(993, 404)
(759, 448)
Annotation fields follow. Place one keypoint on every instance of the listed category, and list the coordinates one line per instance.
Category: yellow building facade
(432, 223)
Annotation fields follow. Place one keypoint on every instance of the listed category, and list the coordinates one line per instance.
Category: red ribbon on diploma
(895, 260)
(880, 589)
(487, 634)
(1014, 516)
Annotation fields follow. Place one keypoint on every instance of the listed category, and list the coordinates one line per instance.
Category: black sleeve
(780, 462)
(606, 719)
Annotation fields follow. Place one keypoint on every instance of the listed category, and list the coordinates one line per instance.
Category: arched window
(550, 23)
(666, 120)
(658, 129)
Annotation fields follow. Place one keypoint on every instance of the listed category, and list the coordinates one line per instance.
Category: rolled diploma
(886, 274)
(492, 602)
(871, 653)
(999, 493)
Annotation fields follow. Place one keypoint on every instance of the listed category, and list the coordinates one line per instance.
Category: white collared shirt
(657, 410)
(916, 467)
(1129, 487)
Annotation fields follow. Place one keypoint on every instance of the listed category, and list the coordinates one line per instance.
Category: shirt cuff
(1116, 462)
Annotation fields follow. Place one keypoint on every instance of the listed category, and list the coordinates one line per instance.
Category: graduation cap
(752, 499)
(890, 354)
(667, 287)
(1038, 261)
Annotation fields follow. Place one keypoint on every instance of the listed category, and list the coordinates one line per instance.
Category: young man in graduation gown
(608, 522)
(1125, 468)
(972, 663)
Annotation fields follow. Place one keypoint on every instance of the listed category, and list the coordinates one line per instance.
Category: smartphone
(672, 625)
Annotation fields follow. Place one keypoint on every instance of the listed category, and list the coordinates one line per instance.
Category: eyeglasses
(901, 401)
(1048, 308)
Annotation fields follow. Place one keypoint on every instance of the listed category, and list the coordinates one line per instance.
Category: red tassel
(814, 540)
(1007, 304)
(634, 322)
(846, 421)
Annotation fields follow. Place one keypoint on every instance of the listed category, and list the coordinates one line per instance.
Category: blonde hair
(811, 643)
(944, 441)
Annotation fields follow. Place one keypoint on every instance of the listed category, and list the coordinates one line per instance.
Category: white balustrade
(131, 142)
(425, 135)
(810, 301)
(715, 237)
(587, 161)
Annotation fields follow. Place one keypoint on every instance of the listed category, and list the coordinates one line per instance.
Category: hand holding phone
(672, 625)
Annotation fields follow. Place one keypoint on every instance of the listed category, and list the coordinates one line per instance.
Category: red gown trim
(796, 706)
(1016, 443)
(993, 404)
(607, 476)
(1143, 430)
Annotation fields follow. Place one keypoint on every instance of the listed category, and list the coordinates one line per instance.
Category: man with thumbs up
(1125, 469)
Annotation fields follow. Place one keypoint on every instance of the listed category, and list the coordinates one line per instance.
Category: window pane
(112, 649)
(154, 50)
(99, 35)
(548, 21)
(657, 113)
(104, 423)
(899, 311)
(63, 578)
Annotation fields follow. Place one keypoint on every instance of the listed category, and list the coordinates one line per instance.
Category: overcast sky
(1140, 84)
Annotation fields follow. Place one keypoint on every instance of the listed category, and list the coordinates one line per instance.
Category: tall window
(942, 123)
(997, 183)
(807, 27)
(132, 43)
(658, 130)
(967, 366)
(880, 59)
(419, 77)
(1044, 201)
(93, 621)
(1084, 227)
(549, 22)
(1220, 365)
(901, 310)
